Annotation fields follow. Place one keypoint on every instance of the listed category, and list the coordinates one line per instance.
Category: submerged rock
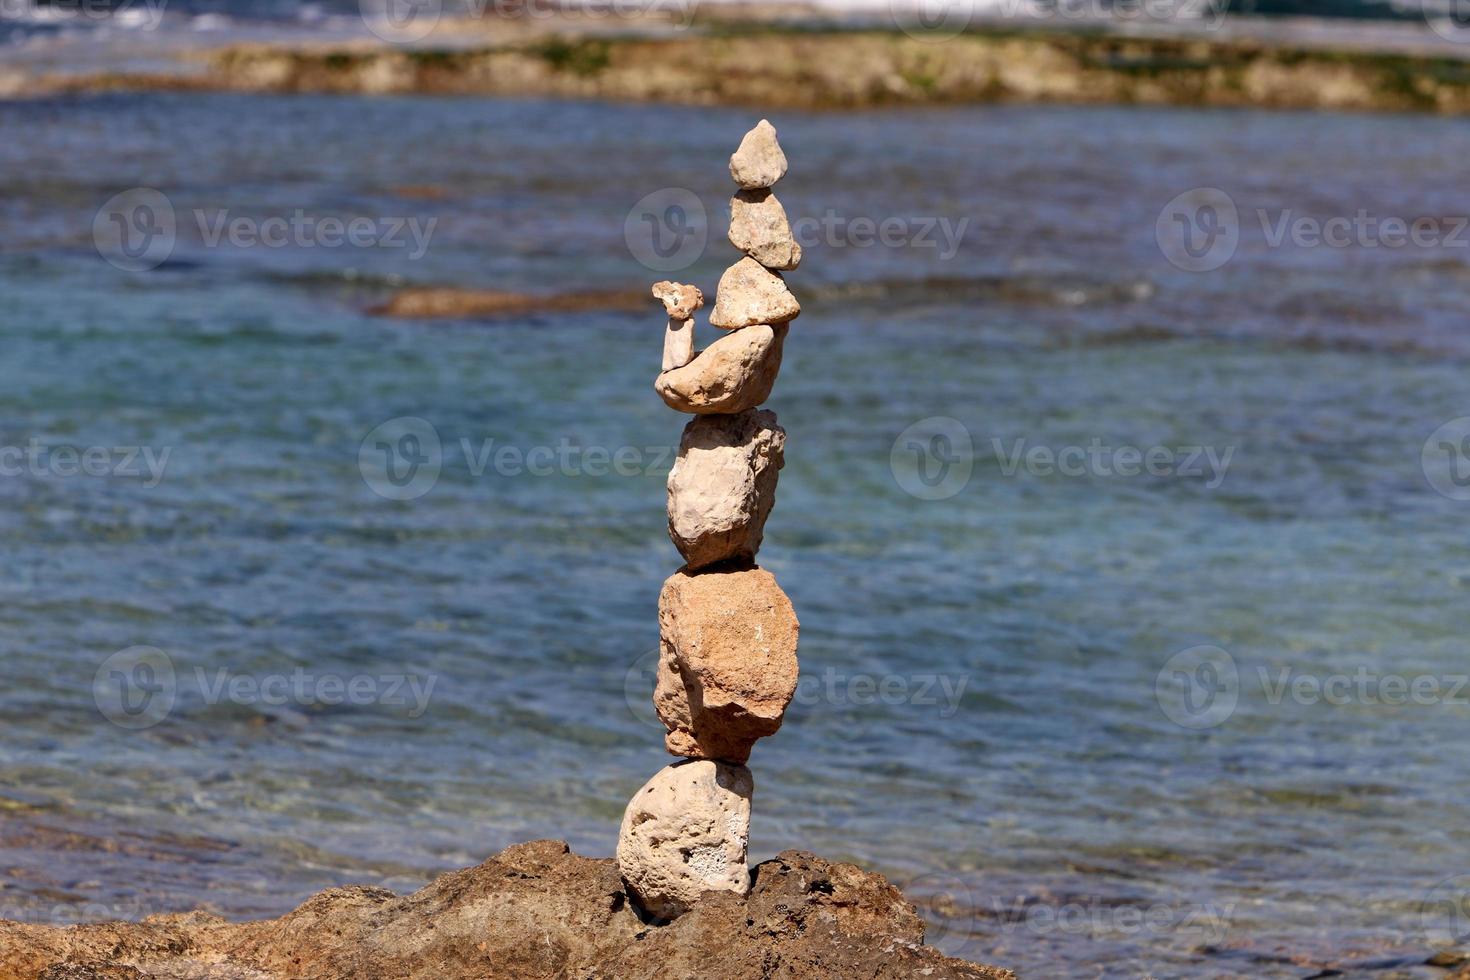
(685, 833)
(533, 912)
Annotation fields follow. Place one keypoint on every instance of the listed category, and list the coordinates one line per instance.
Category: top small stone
(759, 162)
(679, 300)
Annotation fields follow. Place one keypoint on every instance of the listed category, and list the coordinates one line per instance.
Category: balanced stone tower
(727, 633)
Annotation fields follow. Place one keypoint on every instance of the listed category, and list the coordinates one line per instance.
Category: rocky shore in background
(777, 66)
(534, 910)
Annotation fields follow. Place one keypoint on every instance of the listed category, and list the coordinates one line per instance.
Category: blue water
(1020, 777)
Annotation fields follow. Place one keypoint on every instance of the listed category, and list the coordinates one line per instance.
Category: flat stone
(723, 485)
(749, 293)
(759, 228)
(727, 661)
(680, 300)
(759, 161)
(735, 373)
(686, 833)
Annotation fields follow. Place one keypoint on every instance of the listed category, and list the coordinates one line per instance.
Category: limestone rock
(727, 661)
(749, 293)
(759, 228)
(723, 485)
(685, 833)
(535, 911)
(678, 344)
(731, 375)
(680, 301)
(758, 162)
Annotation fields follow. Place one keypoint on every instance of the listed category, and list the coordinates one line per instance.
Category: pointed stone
(749, 293)
(731, 375)
(759, 228)
(727, 661)
(759, 161)
(723, 485)
(686, 832)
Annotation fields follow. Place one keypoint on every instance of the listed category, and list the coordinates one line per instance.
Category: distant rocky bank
(777, 66)
(534, 910)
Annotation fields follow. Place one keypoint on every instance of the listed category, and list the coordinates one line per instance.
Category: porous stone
(759, 228)
(758, 162)
(727, 661)
(723, 485)
(685, 833)
(731, 375)
(680, 300)
(749, 293)
(678, 344)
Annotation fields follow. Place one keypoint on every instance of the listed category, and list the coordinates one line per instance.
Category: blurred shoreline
(795, 58)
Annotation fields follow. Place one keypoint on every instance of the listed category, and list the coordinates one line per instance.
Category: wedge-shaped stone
(759, 161)
(727, 661)
(684, 833)
(749, 293)
(731, 375)
(723, 485)
(760, 229)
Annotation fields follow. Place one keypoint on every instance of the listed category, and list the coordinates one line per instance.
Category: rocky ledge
(534, 910)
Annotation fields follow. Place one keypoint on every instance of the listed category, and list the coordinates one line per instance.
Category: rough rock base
(534, 910)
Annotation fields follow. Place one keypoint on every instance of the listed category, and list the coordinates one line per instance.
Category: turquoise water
(1018, 770)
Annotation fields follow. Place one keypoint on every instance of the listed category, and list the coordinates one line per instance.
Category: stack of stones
(727, 653)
